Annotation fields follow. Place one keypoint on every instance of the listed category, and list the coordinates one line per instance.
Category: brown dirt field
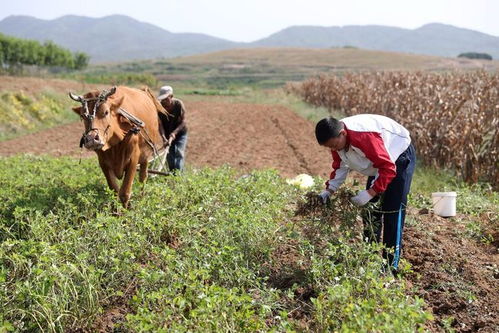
(449, 269)
(457, 276)
(248, 136)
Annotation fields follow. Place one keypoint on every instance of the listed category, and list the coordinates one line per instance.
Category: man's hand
(170, 139)
(362, 198)
(323, 197)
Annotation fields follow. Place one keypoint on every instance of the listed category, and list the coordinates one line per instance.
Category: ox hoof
(125, 200)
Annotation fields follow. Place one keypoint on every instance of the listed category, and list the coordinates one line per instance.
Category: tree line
(16, 53)
(475, 55)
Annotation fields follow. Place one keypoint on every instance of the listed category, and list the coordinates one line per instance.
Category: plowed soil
(456, 275)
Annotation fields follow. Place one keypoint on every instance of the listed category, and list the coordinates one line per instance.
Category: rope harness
(89, 117)
(138, 125)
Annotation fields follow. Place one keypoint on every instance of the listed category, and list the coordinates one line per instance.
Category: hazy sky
(254, 19)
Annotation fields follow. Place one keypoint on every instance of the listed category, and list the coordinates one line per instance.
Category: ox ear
(77, 110)
(116, 104)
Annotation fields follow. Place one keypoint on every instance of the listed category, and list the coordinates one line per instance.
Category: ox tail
(158, 105)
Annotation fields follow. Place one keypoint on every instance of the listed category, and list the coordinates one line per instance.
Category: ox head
(99, 116)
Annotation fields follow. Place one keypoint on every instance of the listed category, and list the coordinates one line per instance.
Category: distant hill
(432, 39)
(119, 38)
(112, 38)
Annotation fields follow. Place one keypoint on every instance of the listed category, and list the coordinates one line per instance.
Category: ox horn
(110, 92)
(75, 97)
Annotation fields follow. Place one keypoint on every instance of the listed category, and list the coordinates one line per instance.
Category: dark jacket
(175, 122)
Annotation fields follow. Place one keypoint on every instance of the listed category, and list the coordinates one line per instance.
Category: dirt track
(457, 276)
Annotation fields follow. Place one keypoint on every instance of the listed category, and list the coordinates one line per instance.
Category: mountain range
(120, 38)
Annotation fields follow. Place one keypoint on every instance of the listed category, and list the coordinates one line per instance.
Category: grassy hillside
(272, 67)
(337, 59)
(21, 113)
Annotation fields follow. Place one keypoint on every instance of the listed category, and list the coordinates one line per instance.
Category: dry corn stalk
(453, 117)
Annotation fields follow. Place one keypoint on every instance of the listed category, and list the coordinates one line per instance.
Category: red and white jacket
(374, 143)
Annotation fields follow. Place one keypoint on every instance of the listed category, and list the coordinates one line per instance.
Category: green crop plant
(208, 250)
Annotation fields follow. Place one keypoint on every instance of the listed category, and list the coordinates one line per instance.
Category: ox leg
(143, 176)
(143, 172)
(126, 186)
(110, 177)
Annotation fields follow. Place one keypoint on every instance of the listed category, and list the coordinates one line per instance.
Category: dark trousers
(176, 152)
(391, 212)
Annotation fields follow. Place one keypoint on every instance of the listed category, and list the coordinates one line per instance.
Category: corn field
(453, 117)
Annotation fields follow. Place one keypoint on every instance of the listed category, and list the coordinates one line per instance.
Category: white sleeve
(339, 177)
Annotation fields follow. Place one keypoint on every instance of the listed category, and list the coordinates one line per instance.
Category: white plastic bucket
(444, 203)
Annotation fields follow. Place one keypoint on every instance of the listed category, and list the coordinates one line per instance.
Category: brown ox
(121, 126)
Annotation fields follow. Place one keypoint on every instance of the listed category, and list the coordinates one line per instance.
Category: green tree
(14, 54)
(17, 52)
(2, 57)
(80, 60)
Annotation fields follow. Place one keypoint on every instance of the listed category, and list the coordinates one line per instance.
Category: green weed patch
(205, 251)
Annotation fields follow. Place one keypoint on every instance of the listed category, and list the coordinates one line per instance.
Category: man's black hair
(327, 128)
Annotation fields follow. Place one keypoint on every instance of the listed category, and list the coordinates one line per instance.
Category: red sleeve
(336, 166)
(373, 147)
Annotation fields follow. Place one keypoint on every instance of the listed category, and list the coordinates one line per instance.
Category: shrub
(475, 55)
